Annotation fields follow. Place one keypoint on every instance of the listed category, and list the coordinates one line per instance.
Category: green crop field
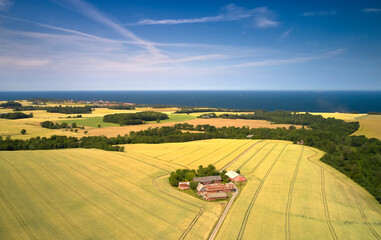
(90, 122)
(95, 194)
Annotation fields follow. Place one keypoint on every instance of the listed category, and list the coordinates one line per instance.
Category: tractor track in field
(67, 219)
(263, 159)
(289, 199)
(112, 192)
(236, 149)
(180, 149)
(195, 219)
(364, 217)
(250, 207)
(354, 193)
(209, 153)
(123, 179)
(252, 156)
(326, 210)
(183, 155)
(97, 206)
(239, 156)
(17, 216)
(158, 159)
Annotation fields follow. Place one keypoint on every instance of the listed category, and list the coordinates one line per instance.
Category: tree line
(16, 115)
(57, 109)
(134, 118)
(10, 104)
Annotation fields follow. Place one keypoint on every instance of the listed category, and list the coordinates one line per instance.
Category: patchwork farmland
(94, 194)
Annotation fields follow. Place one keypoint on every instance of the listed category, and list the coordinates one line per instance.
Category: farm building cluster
(212, 188)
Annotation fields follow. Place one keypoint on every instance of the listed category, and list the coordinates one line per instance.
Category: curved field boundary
(195, 219)
(67, 219)
(209, 153)
(219, 160)
(354, 193)
(289, 199)
(108, 213)
(17, 216)
(263, 159)
(252, 156)
(250, 207)
(110, 191)
(326, 210)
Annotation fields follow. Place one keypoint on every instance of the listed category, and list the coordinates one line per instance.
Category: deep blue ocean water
(311, 101)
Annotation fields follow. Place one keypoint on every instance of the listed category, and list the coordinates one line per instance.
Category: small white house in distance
(235, 177)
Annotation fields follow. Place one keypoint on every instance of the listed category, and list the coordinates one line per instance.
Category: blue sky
(170, 45)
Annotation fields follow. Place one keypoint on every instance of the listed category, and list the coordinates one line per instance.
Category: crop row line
(239, 156)
(209, 153)
(289, 199)
(263, 159)
(195, 219)
(46, 200)
(219, 160)
(252, 156)
(17, 216)
(250, 207)
(326, 210)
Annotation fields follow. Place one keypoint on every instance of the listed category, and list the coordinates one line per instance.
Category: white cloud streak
(371, 10)
(263, 17)
(15, 62)
(92, 13)
(5, 5)
(331, 12)
(287, 33)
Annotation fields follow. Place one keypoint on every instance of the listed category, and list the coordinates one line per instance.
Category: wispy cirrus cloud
(331, 12)
(12, 62)
(5, 5)
(287, 33)
(263, 17)
(371, 10)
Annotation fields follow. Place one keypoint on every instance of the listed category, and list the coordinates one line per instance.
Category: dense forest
(181, 175)
(16, 115)
(134, 118)
(122, 107)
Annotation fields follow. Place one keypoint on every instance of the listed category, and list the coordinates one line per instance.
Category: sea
(306, 101)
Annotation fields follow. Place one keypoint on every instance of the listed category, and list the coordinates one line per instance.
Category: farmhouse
(184, 185)
(235, 177)
(215, 191)
(208, 180)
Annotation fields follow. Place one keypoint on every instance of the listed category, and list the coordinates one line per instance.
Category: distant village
(211, 187)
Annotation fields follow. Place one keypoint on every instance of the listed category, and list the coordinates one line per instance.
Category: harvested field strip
(232, 152)
(17, 216)
(112, 192)
(252, 156)
(326, 210)
(248, 210)
(364, 216)
(289, 199)
(263, 159)
(239, 156)
(47, 201)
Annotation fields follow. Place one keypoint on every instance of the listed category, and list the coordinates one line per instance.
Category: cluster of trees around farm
(134, 118)
(16, 115)
(182, 175)
(58, 142)
(51, 125)
(10, 104)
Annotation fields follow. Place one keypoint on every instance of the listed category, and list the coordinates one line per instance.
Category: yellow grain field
(95, 194)
(370, 126)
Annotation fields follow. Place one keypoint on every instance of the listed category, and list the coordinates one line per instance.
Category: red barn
(235, 177)
(184, 185)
